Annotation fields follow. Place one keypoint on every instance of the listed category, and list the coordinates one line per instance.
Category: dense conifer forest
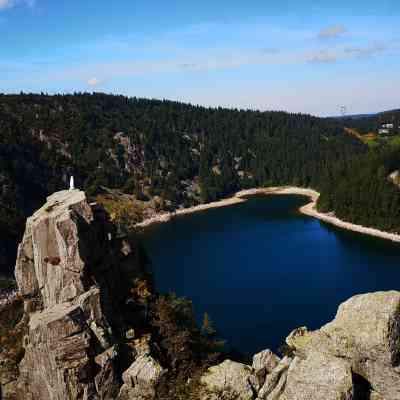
(181, 153)
(363, 192)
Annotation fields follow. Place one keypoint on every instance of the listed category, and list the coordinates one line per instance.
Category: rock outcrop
(70, 272)
(356, 356)
(229, 378)
(141, 379)
(263, 364)
(366, 332)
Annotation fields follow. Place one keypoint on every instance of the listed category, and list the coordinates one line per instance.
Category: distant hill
(367, 123)
(170, 155)
(354, 116)
(396, 112)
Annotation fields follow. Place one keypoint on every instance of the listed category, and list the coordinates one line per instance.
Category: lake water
(261, 269)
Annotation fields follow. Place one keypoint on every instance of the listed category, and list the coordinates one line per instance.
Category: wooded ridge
(181, 155)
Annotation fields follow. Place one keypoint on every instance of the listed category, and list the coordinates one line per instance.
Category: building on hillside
(387, 129)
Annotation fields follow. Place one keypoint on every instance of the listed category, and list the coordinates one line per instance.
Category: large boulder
(319, 376)
(362, 341)
(275, 381)
(230, 379)
(141, 379)
(366, 331)
(263, 363)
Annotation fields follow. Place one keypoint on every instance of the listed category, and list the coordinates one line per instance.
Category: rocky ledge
(71, 271)
(356, 356)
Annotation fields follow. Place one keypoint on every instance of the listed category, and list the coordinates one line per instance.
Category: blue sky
(289, 55)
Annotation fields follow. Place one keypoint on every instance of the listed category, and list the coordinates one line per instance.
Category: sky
(298, 56)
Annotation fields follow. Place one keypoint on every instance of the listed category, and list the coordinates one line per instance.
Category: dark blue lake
(261, 269)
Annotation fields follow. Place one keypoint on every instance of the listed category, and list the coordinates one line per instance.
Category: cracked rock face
(68, 349)
(263, 364)
(50, 263)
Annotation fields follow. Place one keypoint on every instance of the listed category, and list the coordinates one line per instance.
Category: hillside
(363, 192)
(176, 153)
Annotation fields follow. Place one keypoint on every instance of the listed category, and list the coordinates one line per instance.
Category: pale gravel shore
(308, 209)
(330, 218)
(239, 197)
(167, 216)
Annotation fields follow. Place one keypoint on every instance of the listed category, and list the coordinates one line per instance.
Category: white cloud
(365, 51)
(212, 61)
(323, 56)
(331, 32)
(94, 82)
(4, 4)
(348, 53)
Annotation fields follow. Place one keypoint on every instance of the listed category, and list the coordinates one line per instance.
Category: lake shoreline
(308, 209)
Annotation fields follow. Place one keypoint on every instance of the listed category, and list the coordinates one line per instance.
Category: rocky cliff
(71, 271)
(74, 272)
